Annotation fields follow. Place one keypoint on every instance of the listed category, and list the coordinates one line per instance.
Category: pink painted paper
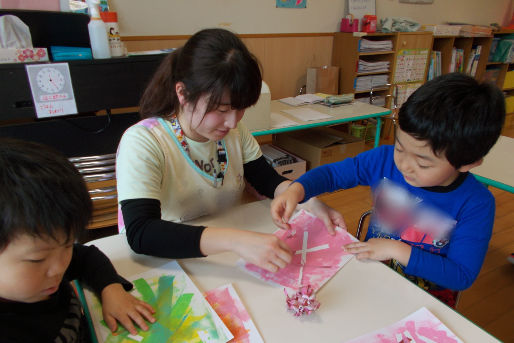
(319, 265)
(420, 326)
(227, 304)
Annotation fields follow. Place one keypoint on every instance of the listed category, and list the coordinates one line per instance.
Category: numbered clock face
(50, 80)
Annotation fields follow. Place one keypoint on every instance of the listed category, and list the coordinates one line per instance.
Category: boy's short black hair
(41, 193)
(459, 117)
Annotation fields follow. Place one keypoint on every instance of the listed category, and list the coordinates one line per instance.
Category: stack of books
(364, 83)
(366, 45)
(372, 67)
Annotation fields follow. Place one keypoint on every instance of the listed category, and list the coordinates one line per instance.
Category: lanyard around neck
(220, 149)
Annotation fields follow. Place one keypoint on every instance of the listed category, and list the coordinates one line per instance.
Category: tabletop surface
(340, 114)
(499, 162)
(360, 298)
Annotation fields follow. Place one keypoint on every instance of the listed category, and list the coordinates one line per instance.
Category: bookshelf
(407, 58)
(448, 45)
(346, 55)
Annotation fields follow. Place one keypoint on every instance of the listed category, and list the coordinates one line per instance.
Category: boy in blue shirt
(44, 206)
(432, 219)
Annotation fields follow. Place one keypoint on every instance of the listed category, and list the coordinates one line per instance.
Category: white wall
(184, 17)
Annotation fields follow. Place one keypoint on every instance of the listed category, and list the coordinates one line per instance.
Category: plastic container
(97, 32)
(113, 33)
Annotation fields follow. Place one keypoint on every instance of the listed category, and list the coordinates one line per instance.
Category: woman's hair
(212, 62)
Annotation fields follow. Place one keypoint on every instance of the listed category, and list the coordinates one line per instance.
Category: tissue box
(8, 55)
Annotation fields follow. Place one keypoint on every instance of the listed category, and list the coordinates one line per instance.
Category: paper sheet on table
(317, 254)
(227, 304)
(307, 114)
(278, 121)
(182, 313)
(420, 326)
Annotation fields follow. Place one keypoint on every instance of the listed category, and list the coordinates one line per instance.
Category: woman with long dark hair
(190, 156)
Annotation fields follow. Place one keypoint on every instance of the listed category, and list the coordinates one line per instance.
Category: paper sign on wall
(51, 89)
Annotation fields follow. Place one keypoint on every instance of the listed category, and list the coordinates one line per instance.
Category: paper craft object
(317, 254)
(182, 313)
(419, 327)
(227, 304)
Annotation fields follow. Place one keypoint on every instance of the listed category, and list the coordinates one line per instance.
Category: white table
(341, 114)
(498, 167)
(362, 296)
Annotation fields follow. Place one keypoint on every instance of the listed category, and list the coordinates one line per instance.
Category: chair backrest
(361, 223)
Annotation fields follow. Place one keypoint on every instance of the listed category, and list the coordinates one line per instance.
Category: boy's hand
(380, 249)
(283, 206)
(118, 305)
(330, 216)
(264, 250)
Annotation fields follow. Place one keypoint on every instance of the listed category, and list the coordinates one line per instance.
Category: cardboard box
(292, 171)
(8, 55)
(320, 145)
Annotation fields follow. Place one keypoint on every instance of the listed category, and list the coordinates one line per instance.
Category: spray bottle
(97, 31)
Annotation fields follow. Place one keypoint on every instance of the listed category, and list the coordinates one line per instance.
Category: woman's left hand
(330, 217)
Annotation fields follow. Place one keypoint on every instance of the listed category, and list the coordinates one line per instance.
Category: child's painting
(291, 3)
(182, 313)
(227, 304)
(317, 254)
(419, 327)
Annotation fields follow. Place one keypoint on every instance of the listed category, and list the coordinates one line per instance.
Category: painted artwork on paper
(291, 3)
(182, 313)
(229, 307)
(419, 327)
(317, 254)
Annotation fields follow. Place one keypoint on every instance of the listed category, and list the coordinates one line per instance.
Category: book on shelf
(456, 64)
(365, 83)
(372, 67)
(434, 69)
(366, 45)
(474, 58)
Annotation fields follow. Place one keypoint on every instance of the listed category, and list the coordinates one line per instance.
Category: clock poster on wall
(51, 88)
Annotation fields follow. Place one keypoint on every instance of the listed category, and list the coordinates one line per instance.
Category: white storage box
(258, 117)
(293, 170)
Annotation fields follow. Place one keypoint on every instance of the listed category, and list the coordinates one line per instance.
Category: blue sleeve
(466, 253)
(362, 169)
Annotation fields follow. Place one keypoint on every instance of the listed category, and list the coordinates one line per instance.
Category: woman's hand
(120, 306)
(330, 217)
(264, 250)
